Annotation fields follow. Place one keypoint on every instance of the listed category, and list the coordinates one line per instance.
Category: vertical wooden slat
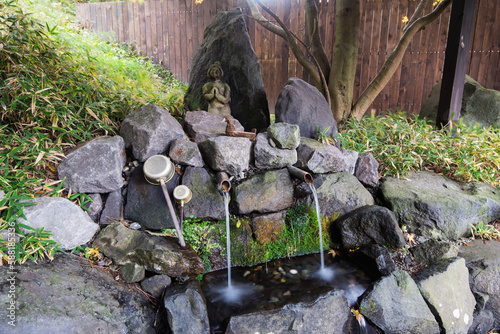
(175, 29)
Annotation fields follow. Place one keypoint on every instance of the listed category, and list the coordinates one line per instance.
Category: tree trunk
(345, 57)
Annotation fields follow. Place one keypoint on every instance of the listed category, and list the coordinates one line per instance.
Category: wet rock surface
(341, 193)
(69, 224)
(146, 203)
(483, 262)
(267, 192)
(445, 287)
(150, 130)
(395, 305)
(95, 167)
(161, 255)
(186, 309)
(69, 295)
(206, 202)
(432, 251)
(297, 317)
(436, 206)
(367, 225)
(268, 227)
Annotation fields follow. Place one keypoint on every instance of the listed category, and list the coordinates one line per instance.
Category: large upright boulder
(226, 40)
(479, 105)
(302, 104)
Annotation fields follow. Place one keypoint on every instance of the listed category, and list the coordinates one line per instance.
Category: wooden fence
(169, 32)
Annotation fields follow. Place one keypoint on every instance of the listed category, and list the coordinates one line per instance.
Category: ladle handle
(172, 212)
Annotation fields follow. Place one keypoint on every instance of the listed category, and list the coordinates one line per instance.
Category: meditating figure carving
(217, 93)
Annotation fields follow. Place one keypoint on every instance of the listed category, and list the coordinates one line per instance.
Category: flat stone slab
(69, 224)
(68, 295)
(201, 125)
(438, 207)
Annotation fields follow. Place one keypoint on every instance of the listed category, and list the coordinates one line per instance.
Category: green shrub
(59, 86)
(402, 145)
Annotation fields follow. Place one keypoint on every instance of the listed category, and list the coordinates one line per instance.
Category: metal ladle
(182, 195)
(158, 170)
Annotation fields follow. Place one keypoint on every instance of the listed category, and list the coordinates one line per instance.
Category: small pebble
(135, 226)
(293, 271)
(135, 163)
(246, 273)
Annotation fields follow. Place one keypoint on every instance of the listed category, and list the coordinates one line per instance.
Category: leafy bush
(59, 86)
(402, 145)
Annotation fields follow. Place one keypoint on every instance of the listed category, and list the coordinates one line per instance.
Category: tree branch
(392, 62)
(316, 46)
(289, 37)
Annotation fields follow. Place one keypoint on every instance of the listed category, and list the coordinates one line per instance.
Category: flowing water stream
(324, 272)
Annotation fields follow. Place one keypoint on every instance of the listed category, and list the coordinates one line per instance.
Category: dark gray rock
(445, 287)
(374, 259)
(146, 203)
(482, 323)
(185, 152)
(206, 202)
(433, 251)
(271, 191)
(95, 167)
(95, 207)
(302, 104)
(395, 305)
(226, 40)
(435, 206)
(156, 284)
(367, 169)
(186, 309)
(113, 208)
(479, 105)
(69, 224)
(484, 267)
(328, 313)
(268, 227)
(284, 135)
(68, 295)
(149, 130)
(367, 225)
(161, 255)
(317, 157)
(350, 157)
(268, 157)
(132, 272)
(227, 154)
(341, 193)
(201, 125)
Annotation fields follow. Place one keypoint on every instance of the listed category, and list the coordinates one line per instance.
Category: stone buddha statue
(216, 92)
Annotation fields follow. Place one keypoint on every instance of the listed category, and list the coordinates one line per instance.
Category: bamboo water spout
(300, 174)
